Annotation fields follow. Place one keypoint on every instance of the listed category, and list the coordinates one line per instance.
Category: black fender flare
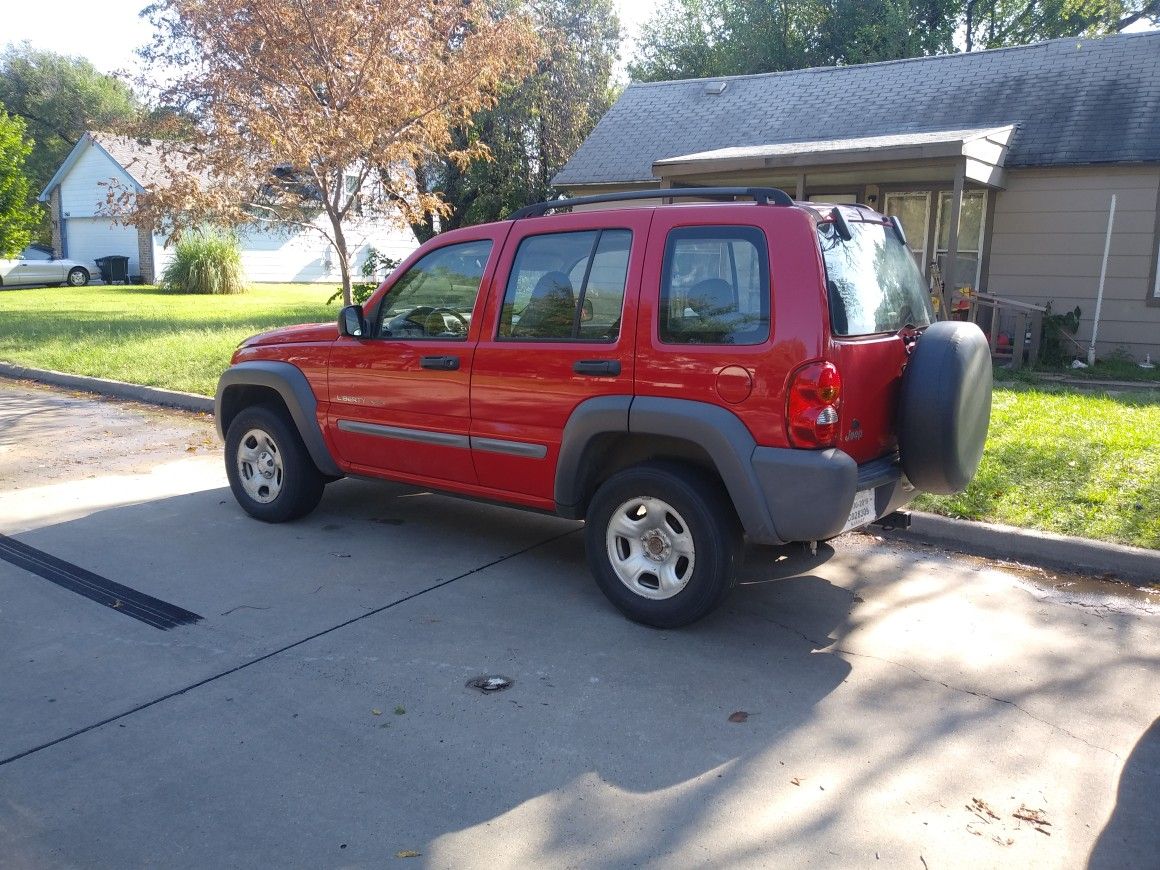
(288, 381)
(716, 430)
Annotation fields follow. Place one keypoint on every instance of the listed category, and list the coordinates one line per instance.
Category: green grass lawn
(144, 336)
(1078, 463)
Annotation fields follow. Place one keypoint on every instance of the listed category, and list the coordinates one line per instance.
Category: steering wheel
(423, 319)
(460, 326)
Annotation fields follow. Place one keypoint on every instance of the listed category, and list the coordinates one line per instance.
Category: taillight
(815, 397)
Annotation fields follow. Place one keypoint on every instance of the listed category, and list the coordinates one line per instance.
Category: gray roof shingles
(1076, 101)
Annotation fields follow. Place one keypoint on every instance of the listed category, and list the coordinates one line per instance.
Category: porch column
(801, 187)
(666, 184)
(953, 243)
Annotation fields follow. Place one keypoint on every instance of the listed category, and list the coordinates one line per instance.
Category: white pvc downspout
(1091, 355)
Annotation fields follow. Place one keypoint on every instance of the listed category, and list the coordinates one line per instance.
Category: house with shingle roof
(82, 229)
(1026, 145)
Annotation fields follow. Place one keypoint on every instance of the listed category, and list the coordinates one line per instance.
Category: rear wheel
(663, 543)
(78, 277)
(271, 474)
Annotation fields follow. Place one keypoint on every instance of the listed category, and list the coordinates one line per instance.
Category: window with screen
(715, 286)
(567, 287)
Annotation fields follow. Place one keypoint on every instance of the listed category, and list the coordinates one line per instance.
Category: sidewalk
(1135, 565)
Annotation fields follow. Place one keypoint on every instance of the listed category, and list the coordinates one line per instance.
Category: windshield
(873, 283)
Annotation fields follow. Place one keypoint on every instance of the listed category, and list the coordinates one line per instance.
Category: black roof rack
(760, 195)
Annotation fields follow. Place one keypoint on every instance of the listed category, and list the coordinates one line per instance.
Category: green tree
(697, 38)
(18, 217)
(538, 122)
(997, 23)
(60, 98)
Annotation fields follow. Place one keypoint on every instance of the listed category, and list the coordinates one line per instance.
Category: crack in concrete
(829, 646)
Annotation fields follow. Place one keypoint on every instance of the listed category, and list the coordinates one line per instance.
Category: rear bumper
(809, 493)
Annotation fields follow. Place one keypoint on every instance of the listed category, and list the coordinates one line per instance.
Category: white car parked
(36, 266)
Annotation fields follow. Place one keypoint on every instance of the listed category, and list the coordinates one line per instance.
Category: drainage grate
(152, 611)
(490, 683)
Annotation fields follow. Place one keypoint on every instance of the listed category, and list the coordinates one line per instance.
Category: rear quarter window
(872, 282)
(715, 286)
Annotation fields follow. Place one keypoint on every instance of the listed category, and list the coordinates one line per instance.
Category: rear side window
(715, 286)
(567, 287)
(872, 282)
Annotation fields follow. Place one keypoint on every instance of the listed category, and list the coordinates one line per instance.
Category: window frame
(593, 250)
(751, 233)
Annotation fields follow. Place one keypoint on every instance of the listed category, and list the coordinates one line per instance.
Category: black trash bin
(114, 269)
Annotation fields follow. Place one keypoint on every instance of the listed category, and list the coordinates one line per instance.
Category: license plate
(863, 511)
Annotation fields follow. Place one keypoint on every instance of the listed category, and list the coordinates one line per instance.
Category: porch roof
(982, 149)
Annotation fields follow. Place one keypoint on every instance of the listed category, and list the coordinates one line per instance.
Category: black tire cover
(945, 407)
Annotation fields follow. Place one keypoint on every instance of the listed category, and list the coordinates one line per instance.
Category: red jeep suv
(677, 375)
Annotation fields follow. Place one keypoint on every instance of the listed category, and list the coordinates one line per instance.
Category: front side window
(715, 286)
(874, 285)
(567, 287)
(436, 296)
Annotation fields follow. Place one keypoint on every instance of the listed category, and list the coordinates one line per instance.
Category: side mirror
(351, 322)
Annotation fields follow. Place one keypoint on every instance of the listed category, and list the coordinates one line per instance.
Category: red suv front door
(399, 398)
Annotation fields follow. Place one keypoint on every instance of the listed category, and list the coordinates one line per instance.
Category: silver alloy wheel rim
(76, 278)
(260, 466)
(650, 548)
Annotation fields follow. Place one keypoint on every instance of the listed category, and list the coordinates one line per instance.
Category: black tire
(294, 486)
(78, 277)
(945, 407)
(711, 523)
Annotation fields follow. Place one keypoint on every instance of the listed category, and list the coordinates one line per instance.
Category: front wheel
(78, 277)
(271, 474)
(663, 543)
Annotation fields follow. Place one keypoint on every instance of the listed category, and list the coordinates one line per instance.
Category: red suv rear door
(559, 329)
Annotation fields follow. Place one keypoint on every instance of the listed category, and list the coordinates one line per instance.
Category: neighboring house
(1029, 144)
(81, 230)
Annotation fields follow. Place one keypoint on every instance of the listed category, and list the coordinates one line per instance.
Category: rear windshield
(873, 283)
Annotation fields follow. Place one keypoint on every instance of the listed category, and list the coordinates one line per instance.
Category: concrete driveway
(904, 708)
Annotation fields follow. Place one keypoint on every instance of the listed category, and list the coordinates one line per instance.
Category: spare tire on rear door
(945, 407)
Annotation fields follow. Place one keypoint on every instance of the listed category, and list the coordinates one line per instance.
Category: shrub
(207, 262)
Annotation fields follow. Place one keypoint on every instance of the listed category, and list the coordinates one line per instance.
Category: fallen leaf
(408, 853)
(375, 712)
(738, 716)
(796, 781)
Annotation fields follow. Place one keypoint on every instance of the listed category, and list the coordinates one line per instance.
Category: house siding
(1047, 245)
(81, 191)
(306, 256)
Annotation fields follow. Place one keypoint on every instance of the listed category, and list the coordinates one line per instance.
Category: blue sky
(108, 31)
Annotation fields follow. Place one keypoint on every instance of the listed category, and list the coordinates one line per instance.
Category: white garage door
(89, 238)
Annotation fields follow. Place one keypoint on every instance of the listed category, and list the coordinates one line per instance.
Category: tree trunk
(343, 257)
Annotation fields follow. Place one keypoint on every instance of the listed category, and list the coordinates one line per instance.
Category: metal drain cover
(489, 683)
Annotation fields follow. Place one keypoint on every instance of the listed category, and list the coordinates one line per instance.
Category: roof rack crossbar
(760, 195)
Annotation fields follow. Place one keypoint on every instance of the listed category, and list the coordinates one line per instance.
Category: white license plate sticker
(862, 512)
